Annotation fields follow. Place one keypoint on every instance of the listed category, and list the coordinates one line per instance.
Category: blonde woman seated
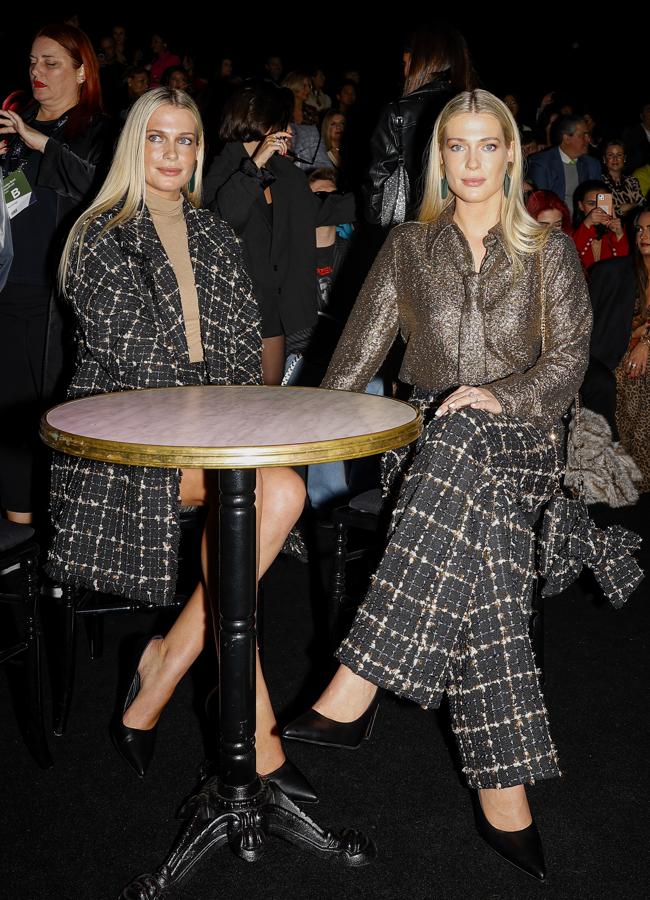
(161, 298)
(494, 312)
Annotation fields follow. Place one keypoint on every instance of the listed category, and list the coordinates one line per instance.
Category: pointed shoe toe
(135, 746)
(290, 779)
(522, 849)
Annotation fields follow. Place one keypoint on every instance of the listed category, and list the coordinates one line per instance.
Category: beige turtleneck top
(169, 222)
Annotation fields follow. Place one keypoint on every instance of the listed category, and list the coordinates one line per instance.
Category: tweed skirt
(448, 607)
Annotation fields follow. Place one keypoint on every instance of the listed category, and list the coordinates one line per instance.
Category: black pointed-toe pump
(135, 745)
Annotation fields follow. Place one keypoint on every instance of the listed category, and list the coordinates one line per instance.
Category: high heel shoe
(313, 728)
(292, 782)
(288, 778)
(521, 848)
(135, 745)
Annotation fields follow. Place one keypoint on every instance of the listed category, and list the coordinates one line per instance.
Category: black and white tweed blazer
(116, 527)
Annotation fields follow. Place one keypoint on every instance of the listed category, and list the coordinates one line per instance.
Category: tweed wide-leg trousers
(448, 607)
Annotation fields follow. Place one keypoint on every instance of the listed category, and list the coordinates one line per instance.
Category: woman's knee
(283, 494)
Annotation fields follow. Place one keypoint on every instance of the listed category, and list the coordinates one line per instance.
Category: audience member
(163, 58)
(254, 187)
(274, 68)
(547, 208)
(562, 168)
(58, 146)
(642, 175)
(633, 374)
(307, 146)
(318, 98)
(176, 79)
(332, 131)
(137, 82)
(598, 233)
(625, 188)
(436, 66)
(346, 96)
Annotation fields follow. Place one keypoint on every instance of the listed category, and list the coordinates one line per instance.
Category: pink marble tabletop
(231, 425)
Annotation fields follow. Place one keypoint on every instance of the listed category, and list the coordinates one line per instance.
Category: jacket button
(275, 268)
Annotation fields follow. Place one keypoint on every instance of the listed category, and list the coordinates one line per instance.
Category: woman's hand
(597, 216)
(614, 225)
(11, 123)
(465, 395)
(637, 360)
(272, 143)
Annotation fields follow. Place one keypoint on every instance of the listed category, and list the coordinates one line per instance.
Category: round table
(235, 430)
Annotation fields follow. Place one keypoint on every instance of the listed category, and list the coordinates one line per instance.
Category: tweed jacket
(116, 527)
(473, 328)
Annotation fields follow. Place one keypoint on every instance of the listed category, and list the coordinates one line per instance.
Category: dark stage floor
(85, 828)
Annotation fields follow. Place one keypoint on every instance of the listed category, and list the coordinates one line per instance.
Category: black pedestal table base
(214, 821)
(236, 807)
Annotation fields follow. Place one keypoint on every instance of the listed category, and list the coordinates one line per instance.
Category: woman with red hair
(51, 156)
(547, 208)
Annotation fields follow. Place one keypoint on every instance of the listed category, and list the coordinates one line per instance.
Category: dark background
(511, 54)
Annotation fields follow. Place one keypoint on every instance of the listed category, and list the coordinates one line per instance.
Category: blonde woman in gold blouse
(495, 316)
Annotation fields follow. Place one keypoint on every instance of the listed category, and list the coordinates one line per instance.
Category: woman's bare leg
(279, 502)
(273, 359)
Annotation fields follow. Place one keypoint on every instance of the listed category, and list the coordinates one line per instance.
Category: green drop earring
(506, 184)
(444, 187)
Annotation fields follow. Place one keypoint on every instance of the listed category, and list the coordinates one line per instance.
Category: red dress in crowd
(610, 245)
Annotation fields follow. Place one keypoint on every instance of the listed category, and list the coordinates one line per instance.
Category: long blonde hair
(125, 183)
(522, 234)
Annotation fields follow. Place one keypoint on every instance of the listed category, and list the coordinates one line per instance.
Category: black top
(612, 290)
(280, 251)
(32, 229)
(63, 179)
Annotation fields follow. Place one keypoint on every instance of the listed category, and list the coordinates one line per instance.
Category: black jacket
(74, 169)
(419, 110)
(116, 527)
(280, 243)
(612, 289)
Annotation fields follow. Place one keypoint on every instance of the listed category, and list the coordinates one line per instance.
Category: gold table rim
(235, 457)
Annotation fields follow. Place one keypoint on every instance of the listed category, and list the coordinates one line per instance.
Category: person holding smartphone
(255, 187)
(598, 232)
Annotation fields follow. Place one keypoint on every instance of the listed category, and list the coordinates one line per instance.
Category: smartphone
(605, 202)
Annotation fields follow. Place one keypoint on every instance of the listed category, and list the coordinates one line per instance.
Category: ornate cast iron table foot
(234, 817)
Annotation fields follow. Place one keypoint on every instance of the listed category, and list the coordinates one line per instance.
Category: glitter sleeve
(546, 390)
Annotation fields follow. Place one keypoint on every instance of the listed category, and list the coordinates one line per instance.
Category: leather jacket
(419, 111)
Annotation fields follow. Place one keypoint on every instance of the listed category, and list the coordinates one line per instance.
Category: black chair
(366, 512)
(92, 606)
(19, 589)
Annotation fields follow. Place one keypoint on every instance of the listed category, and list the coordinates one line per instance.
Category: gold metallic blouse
(474, 328)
